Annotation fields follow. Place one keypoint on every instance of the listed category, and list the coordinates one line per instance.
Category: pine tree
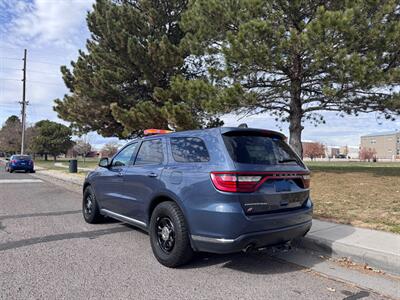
(297, 58)
(52, 138)
(121, 84)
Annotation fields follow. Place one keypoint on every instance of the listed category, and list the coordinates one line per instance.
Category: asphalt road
(47, 251)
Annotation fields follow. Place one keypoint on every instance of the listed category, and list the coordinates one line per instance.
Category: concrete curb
(379, 250)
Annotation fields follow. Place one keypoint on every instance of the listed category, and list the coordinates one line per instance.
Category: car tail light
(235, 182)
(306, 181)
(13, 161)
(247, 182)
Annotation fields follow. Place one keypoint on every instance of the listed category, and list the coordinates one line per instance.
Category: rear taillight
(247, 182)
(13, 161)
(306, 181)
(235, 182)
(31, 162)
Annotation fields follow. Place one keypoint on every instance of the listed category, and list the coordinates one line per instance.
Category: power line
(16, 79)
(10, 58)
(46, 63)
(41, 72)
(43, 82)
(7, 68)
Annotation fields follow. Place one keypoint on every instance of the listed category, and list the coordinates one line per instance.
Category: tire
(171, 246)
(91, 212)
(10, 170)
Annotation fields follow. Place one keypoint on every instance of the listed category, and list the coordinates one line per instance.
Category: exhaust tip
(248, 248)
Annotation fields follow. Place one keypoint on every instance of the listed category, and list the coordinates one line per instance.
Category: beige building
(386, 144)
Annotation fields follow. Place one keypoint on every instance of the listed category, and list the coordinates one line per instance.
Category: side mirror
(104, 162)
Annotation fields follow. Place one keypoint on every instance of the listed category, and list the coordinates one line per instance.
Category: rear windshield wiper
(287, 160)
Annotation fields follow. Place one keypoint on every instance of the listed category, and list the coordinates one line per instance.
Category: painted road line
(20, 181)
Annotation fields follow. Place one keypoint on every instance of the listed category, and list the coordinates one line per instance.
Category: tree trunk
(295, 117)
(296, 110)
(45, 157)
(295, 130)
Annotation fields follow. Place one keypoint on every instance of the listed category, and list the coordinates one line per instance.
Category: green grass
(49, 164)
(378, 168)
(90, 163)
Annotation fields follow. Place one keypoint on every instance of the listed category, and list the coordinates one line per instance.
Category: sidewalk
(379, 250)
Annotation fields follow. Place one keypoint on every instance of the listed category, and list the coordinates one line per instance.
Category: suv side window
(189, 149)
(151, 152)
(123, 158)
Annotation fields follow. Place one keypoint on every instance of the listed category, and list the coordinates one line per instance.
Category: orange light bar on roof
(156, 131)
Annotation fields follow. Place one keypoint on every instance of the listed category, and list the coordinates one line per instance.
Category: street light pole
(23, 103)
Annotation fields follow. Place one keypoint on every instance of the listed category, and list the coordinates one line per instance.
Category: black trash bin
(73, 166)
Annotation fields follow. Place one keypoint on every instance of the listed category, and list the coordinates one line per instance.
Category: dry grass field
(361, 194)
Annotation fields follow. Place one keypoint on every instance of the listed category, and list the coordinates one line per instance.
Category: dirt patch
(363, 199)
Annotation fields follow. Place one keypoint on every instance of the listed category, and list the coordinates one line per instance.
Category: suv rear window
(253, 148)
(189, 149)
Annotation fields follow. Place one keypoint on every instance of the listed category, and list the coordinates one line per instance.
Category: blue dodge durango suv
(217, 190)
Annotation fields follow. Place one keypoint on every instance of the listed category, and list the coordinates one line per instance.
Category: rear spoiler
(252, 131)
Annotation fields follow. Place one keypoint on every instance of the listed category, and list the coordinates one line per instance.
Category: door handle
(152, 174)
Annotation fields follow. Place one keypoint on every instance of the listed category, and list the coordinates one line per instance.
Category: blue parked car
(20, 163)
(219, 190)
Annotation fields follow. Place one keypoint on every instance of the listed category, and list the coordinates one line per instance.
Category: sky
(54, 30)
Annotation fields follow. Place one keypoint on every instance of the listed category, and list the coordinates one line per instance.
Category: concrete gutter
(377, 249)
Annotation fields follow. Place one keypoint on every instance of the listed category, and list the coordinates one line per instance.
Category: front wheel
(90, 208)
(169, 236)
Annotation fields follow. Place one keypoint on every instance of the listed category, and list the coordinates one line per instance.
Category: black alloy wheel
(165, 234)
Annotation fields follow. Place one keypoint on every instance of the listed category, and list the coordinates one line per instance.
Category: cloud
(43, 21)
(52, 32)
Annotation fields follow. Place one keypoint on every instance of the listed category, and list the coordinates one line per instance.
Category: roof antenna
(243, 125)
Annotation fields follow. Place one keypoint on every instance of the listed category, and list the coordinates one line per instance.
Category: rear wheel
(90, 208)
(169, 235)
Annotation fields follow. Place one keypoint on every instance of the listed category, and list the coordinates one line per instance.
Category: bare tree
(367, 154)
(313, 150)
(109, 149)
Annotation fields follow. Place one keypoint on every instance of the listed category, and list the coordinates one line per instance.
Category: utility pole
(24, 104)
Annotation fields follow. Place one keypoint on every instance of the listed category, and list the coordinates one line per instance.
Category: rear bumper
(21, 168)
(255, 239)
(223, 227)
